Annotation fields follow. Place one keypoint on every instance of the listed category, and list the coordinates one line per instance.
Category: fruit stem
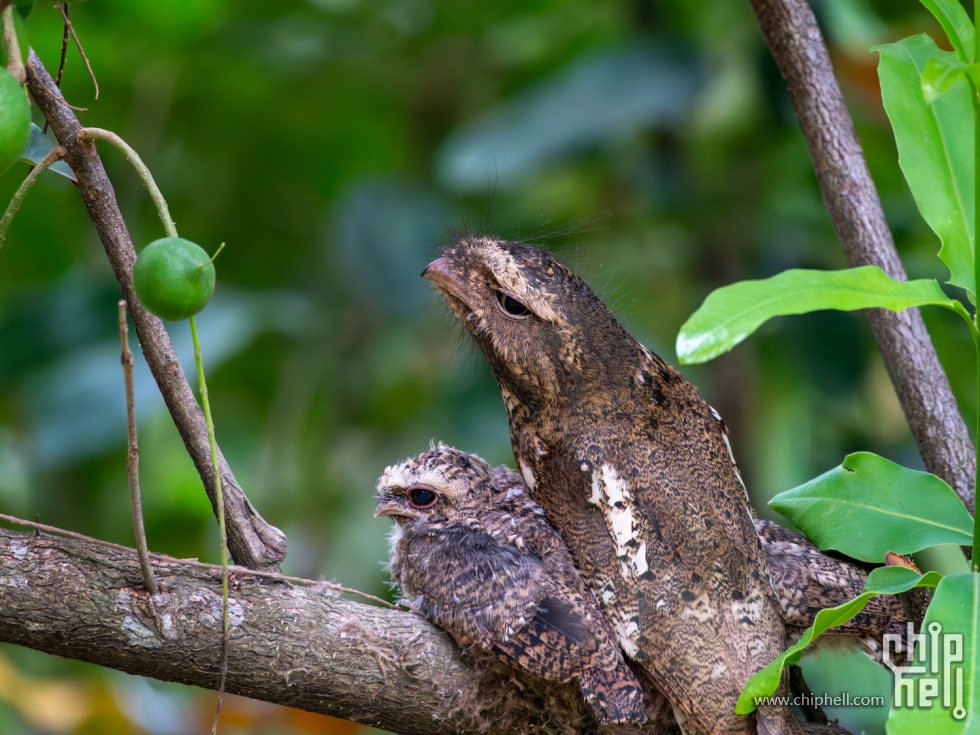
(15, 64)
(219, 500)
(55, 154)
(201, 268)
(91, 134)
(216, 252)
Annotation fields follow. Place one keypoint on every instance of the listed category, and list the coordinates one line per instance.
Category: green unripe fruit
(23, 43)
(15, 120)
(174, 278)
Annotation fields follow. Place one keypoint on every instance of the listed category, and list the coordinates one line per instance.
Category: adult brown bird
(634, 469)
(475, 555)
(456, 521)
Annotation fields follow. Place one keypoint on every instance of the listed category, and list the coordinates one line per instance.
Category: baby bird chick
(476, 556)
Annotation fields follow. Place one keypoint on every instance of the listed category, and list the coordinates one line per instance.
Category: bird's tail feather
(615, 696)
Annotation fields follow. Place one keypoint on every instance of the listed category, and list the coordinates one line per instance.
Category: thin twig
(15, 64)
(55, 154)
(78, 43)
(61, 63)
(238, 571)
(133, 456)
(91, 134)
(64, 50)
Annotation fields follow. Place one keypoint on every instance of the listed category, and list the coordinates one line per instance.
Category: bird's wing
(567, 638)
(808, 581)
(484, 590)
(557, 642)
(493, 596)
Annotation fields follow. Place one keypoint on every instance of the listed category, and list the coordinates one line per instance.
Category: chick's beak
(440, 273)
(392, 508)
(385, 508)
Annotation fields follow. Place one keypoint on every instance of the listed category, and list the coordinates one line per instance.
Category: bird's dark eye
(511, 306)
(422, 497)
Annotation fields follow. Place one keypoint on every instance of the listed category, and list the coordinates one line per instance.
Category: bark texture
(252, 541)
(849, 194)
(299, 646)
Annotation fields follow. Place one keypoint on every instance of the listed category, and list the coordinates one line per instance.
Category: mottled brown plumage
(635, 471)
(807, 581)
(476, 555)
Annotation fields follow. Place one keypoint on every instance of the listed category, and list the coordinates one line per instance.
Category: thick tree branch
(252, 541)
(849, 194)
(294, 645)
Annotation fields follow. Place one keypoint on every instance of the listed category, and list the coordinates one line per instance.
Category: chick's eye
(511, 306)
(422, 497)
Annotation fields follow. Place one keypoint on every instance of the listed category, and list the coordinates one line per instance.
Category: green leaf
(38, 146)
(940, 75)
(956, 23)
(946, 658)
(869, 505)
(935, 148)
(885, 580)
(895, 580)
(732, 313)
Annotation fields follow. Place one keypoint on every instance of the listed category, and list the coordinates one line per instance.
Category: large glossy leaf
(731, 313)
(935, 148)
(884, 580)
(869, 505)
(946, 660)
(956, 23)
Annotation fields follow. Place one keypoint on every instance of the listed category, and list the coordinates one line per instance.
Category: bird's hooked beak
(440, 273)
(391, 508)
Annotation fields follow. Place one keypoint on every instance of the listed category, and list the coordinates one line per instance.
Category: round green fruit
(174, 278)
(15, 120)
(23, 42)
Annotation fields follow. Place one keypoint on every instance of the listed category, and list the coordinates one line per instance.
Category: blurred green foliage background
(334, 145)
